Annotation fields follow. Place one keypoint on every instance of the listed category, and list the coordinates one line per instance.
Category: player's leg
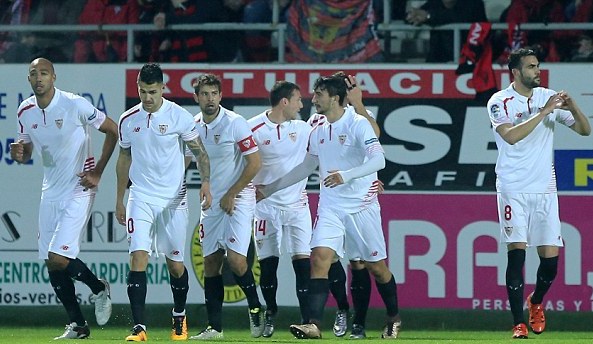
(240, 229)
(512, 218)
(173, 238)
(139, 226)
(546, 235)
(337, 287)
(212, 233)
(297, 231)
(328, 238)
(365, 240)
(267, 231)
(360, 289)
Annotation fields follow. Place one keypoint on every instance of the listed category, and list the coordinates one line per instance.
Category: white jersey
(282, 147)
(528, 165)
(227, 140)
(156, 142)
(61, 138)
(343, 145)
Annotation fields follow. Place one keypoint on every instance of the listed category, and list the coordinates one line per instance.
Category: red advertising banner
(444, 252)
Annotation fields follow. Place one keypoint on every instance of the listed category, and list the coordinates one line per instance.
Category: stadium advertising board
(439, 211)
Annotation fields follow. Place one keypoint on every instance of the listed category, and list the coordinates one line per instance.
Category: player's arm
(515, 133)
(252, 166)
(91, 178)
(20, 151)
(355, 99)
(298, 173)
(581, 122)
(122, 170)
(203, 161)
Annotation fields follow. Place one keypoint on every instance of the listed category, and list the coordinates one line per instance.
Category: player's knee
(548, 268)
(379, 270)
(56, 262)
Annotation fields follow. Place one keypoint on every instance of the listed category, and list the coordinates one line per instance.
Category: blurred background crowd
(316, 30)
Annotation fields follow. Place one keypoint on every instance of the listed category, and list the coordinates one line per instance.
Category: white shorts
(61, 224)
(529, 218)
(360, 234)
(272, 225)
(219, 230)
(155, 228)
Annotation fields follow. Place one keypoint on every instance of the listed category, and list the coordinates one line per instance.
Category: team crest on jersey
(59, 123)
(342, 138)
(216, 138)
(293, 136)
(163, 128)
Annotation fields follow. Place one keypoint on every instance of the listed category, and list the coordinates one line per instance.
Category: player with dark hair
(226, 227)
(348, 154)
(523, 118)
(285, 216)
(152, 138)
(57, 125)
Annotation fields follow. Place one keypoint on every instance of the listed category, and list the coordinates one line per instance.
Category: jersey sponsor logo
(175, 252)
(216, 138)
(59, 123)
(163, 128)
(495, 110)
(65, 247)
(267, 142)
(137, 129)
(342, 138)
(370, 141)
(34, 126)
(321, 141)
(293, 136)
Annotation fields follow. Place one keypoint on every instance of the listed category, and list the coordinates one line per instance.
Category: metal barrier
(280, 28)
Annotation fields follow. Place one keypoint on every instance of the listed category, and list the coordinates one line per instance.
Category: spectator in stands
(56, 46)
(148, 46)
(584, 52)
(332, 31)
(107, 46)
(537, 11)
(258, 45)
(12, 12)
(440, 12)
(26, 49)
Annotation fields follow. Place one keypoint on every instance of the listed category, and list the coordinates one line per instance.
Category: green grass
(110, 334)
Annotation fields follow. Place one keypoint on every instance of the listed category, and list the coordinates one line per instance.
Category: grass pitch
(111, 334)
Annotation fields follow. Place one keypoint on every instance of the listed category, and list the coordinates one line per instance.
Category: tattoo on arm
(199, 151)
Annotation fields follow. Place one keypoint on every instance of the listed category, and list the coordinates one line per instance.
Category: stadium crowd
(317, 31)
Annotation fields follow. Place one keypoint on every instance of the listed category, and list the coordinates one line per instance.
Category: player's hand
(567, 101)
(89, 179)
(120, 213)
(227, 203)
(555, 102)
(380, 187)
(205, 196)
(353, 90)
(333, 179)
(17, 151)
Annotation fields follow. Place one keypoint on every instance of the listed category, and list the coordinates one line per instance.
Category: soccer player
(282, 142)
(226, 226)
(348, 154)
(360, 286)
(523, 118)
(151, 137)
(57, 125)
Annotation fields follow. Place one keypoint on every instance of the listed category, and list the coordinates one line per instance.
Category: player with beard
(523, 118)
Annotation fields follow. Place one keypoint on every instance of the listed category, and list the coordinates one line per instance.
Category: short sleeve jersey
(528, 165)
(60, 136)
(156, 143)
(341, 146)
(227, 140)
(282, 147)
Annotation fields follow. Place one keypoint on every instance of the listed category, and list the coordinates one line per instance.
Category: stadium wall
(439, 208)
